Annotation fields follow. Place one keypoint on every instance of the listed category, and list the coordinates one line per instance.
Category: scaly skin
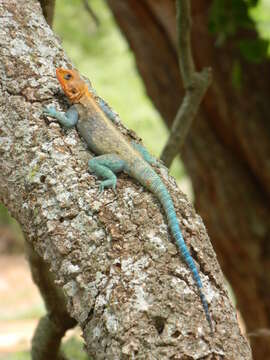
(92, 118)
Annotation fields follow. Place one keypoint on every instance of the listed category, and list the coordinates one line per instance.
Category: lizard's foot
(100, 190)
(110, 183)
(50, 111)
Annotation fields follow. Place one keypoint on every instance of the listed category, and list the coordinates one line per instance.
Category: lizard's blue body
(92, 117)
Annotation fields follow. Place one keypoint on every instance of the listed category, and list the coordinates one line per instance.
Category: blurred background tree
(227, 153)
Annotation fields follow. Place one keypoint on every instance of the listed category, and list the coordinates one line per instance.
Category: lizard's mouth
(71, 83)
(60, 73)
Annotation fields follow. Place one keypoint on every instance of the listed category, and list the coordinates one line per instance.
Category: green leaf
(226, 16)
(254, 50)
(237, 75)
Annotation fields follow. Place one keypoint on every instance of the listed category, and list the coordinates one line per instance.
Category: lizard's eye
(67, 76)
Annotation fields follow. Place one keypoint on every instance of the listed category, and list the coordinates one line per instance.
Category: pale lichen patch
(139, 299)
(159, 244)
(71, 288)
(180, 286)
(67, 268)
(129, 266)
(18, 47)
(111, 322)
(5, 144)
(96, 332)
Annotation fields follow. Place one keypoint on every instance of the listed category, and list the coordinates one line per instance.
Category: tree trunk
(124, 280)
(47, 7)
(228, 149)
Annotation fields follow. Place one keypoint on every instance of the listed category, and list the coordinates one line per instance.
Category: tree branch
(47, 7)
(91, 12)
(195, 84)
(186, 63)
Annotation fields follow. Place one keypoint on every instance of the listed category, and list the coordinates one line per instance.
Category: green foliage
(261, 16)
(254, 50)
(14, 231)
(227, 17)
(34, 312)
(21, 355)
(237, 75)
(72, 348)
(4, 215)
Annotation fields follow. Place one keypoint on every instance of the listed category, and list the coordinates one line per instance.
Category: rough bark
(228, 149)
(124, 280)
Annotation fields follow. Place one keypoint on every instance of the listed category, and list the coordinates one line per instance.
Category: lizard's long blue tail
(153, 182)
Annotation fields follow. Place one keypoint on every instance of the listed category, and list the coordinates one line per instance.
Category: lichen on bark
(124, 280)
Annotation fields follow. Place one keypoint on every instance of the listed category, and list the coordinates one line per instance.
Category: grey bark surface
(124, 280)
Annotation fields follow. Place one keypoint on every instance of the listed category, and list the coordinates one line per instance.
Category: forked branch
(195, 84)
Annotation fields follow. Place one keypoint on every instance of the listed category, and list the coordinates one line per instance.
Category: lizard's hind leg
(144, 152)
(106, 166)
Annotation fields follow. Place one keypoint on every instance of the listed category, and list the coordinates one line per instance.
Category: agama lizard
(94, 122)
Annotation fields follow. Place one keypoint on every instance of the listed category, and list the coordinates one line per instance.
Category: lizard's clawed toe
(106, 184)
(100, 190)
(49, 111)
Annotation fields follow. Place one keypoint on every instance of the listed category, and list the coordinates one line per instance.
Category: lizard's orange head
(73, 86)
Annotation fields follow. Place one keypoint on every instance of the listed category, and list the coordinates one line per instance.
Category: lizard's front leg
(106, 166)
(68, 119)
